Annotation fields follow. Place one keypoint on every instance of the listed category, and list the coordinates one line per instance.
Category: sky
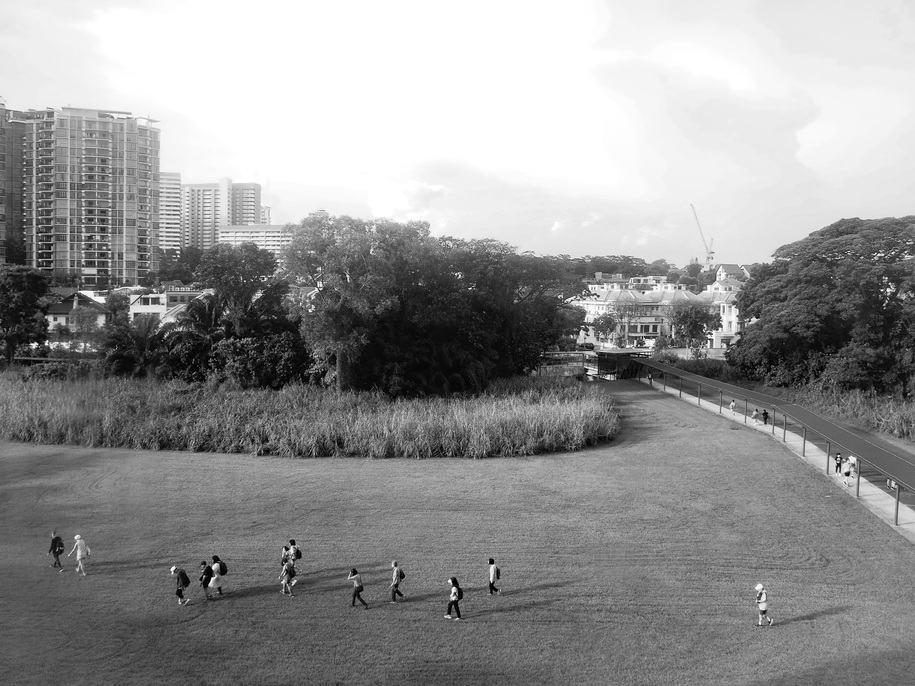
(575, 127)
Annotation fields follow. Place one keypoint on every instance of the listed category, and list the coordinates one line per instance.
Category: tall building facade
(11, 132)
(206, 207)
(90, 194)
(273, 238)
(169, 211)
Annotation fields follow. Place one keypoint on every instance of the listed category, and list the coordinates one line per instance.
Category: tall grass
(521, 417)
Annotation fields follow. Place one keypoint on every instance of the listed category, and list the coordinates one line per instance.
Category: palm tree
(191, 339)
(134, 349)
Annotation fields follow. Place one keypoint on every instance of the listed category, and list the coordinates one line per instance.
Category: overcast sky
(567, 126)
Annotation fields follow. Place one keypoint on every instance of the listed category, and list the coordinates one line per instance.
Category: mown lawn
(632, 563)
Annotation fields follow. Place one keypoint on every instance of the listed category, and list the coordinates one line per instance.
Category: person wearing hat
(762, 605)
(81, 548)
(183, 582)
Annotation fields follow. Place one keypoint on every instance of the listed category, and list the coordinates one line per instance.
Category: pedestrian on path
(182, 581)
(397, 576)
(755, 416)
(848, 469)
(287, 579)
(733, 405)
(762, 605)
(206, 576)
(286, 556)
(838, 463)
(57, 549)
(765, 416)
(358, 588)
(81, 548)
(456, 595)
(295, 551)
(494, 575)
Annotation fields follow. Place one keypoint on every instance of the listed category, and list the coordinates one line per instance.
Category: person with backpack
(206, 576)
(494, 574)
(287, 578)
(182, 582)
(81, 548)
(396, 578)
(57, 549)
(295, 551)
(219, 570)
(457, 594)
(358, 588)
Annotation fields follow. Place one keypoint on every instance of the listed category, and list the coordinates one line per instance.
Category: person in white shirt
(493, 576)
(453, 599)
(396, 577)
(762, 605)
(357, 588)
(81, 548)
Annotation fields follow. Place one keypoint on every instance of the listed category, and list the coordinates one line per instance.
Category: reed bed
(520, 417)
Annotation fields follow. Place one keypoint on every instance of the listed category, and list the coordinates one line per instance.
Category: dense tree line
(836, 308)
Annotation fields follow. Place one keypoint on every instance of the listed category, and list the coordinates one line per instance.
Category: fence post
(681, 386)
(804, 444)
(665, 380)
(896, 521)
(773, 421)
(828, 450)
(746, 408)
(784, 428)
(699, 393)
(858, 478)
(720, 400)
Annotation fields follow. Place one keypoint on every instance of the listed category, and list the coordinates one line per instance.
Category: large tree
(23, 302)
(836, 307)
(692, 320)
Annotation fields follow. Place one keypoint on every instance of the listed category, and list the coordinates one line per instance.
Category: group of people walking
(80, 547)
(211, 575)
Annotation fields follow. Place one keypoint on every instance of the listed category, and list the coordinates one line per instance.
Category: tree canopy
(23, 300)
(836, 307)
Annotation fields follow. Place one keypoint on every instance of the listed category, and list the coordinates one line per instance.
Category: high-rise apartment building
(90, 194)
(265, 215)
(273, 238)
(169, 211)
(206, 207)
(11, 132)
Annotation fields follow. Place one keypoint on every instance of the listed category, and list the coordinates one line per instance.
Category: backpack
(183, 578)
(298, 553)
(59, 546)
(290, 570)
(223, 570)
(460, 593)
(498, 573)
(402, 575)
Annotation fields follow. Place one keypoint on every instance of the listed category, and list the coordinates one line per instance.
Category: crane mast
(709, 253)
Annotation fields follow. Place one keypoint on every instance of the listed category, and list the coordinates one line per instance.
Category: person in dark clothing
(182, 582)
(765, 416)
(453, 599)
(838, 462)
(57, 549)
(358, 588)
(206, 575)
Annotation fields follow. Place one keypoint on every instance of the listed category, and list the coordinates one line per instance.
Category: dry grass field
(632, 563)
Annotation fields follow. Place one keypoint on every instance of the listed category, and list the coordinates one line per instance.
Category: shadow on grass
(512, 607)
(253, 591)
(842, 609)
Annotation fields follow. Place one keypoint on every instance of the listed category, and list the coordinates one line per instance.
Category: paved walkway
(873, 496)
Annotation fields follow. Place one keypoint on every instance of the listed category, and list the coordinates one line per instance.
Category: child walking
(762, 605)
(494, 574)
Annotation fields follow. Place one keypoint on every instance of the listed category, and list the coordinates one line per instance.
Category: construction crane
(709, 252)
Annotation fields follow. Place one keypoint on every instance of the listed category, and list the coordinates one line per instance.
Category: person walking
(81, 548)
(358, 588)
(219, 570)
(287, 578)
(397, 575)
(838, 463)
(57, 549)
(295, 551)
(733, 406)
(206, 576)
(765, 416)
(762, 605)
(848, 469)
(456, 595)
(494, 574)
(182, 581)
(286, 556)
(755, 416)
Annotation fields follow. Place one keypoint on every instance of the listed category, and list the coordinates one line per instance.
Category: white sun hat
(76, 538)
(172, 570)
(759, 587)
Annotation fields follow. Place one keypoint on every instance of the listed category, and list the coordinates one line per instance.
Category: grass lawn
(632, 563)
